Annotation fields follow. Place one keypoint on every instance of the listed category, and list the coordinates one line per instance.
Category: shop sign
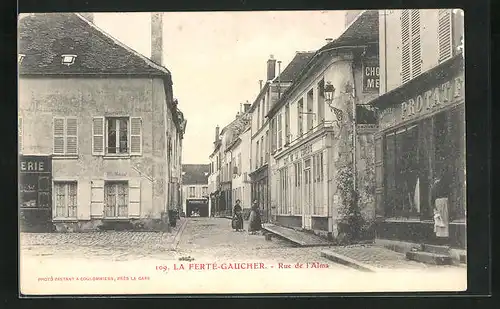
(35, 164)
(116, 174)
(371, 76)
(433, 99)
(424, 103)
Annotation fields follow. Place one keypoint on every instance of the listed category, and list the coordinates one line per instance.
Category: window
(321, 101)
(287, 124)
(310, 102)
(239, 164)
(65, 199)
(119, 136)
(298, 188)
(262, 150)
(300, 123)
(318, 178)
(257, 154)
(279, 131)
(204, 191)
(258, 116)
(116, 199)
(65, 136)
(445, 45)
(266, 153)
(411, 65)
(284, 198)
(273, 135)
(263, 111)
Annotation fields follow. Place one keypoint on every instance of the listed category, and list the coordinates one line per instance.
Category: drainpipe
(354, 130)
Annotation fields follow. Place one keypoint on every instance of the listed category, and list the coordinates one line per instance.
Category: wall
(198, 193)
(40, 99)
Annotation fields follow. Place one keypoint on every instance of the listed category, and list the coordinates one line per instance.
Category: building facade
(215, 174)
(92, 129)
(313, 145)
(241, 185)
(195, 189)
(420, 147)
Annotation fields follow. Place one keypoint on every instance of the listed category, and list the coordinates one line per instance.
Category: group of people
(254, 221)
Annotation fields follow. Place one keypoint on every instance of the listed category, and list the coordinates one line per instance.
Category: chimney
(246, 107)
(271, 68)
(88, 16)
(217, 133)
(260, 84)
(156, 37)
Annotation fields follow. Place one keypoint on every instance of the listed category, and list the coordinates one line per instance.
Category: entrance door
(306, 217)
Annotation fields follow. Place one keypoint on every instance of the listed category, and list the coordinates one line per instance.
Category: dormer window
(68, 59)
(20, 58)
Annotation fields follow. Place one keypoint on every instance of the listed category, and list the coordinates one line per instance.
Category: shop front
(420, 159)
(302, 182)
(225, 199)
(260, 189)
(35, 194)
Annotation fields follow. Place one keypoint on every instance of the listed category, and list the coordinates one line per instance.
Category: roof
(195, 174)
(293, 69)
(44, 37)
(362, 31)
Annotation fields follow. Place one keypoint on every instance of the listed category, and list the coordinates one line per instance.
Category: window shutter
(71, 136)
(84, 198)
(379, 176)
(20, 134)
(134, 207)
(135, 136)
(416, 58)
(97, 198)
(444, 35)
(98, 136)
(58, 136)
(405, 46)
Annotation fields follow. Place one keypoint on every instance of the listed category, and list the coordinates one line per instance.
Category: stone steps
(444, 250)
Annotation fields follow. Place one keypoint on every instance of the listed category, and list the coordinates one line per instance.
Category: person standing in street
(237, 222)
(255, 222)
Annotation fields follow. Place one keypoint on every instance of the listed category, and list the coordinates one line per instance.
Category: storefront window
(423, 161)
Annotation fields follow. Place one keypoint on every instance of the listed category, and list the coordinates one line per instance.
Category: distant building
(240, 153)
(195, 188)
(99, 131)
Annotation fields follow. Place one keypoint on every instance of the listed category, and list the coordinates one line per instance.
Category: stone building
(313, 128)
(420, 145)
(102, 120)
(195, 189)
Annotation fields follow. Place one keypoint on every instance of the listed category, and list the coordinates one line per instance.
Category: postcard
(242, 152)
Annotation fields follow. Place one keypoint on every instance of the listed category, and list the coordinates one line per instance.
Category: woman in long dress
(237, 222)
(255, 222)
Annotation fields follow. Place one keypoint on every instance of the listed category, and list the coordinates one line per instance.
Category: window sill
(64, 157)
(116, 219)
(114, 157)
(69, 220)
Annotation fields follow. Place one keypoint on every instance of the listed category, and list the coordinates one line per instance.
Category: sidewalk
(373, 258)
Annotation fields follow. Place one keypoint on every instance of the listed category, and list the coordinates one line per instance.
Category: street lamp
(329, 92)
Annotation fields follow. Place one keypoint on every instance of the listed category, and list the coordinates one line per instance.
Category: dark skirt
(255, 223)
(237, 222)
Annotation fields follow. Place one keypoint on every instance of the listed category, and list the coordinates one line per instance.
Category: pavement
(204, 255)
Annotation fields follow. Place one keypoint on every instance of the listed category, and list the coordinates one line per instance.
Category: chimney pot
(217, 133)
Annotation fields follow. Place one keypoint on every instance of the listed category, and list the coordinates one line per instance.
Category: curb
(177, 238)
(344, 260)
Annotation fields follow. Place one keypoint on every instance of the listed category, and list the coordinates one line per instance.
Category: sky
(217, 58)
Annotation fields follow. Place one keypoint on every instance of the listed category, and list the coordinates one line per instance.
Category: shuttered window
(279, 131)
(411, 59)
(300, 123)
(65, 136)
(287, 124)
(445, 35)
(117, 136)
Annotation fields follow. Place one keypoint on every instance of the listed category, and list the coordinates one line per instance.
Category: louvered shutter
(405, 46)
(379, 176)
(58, 148)
(71, 136)
(20, 134)
(98, 136)
(134, 206)
(444, 35)
(84, 197)
(97, 198)
(416, 58)
(135, 136)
